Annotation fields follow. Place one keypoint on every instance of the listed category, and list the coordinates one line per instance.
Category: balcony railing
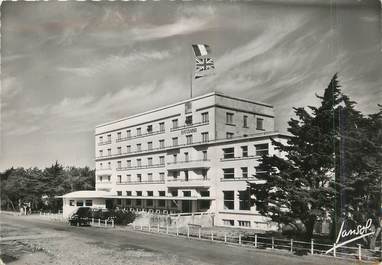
(169, 147)
(238, 179)
(140, 167)
(103, 169)
(186, 126)
(191, 182)
(160, 181)
(103, 182)
(139, 135)
(238, 158)
(105, 142)
(200, 163)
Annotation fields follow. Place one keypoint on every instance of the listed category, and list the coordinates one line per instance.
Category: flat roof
(182, 102)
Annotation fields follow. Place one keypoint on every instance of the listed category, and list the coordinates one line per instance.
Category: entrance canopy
(83, 194)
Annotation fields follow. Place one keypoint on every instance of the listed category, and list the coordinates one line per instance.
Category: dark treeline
(39, 187)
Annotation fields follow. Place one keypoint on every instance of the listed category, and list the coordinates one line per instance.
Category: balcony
(250, 179)
(186, 126)
(238, 158)
(189, 164)
(140, 167)
(141, 182)
(199, 182)
(105, 142)
(139, 136)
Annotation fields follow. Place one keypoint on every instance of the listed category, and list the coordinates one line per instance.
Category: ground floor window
(229, 200)
(204, 204)
(245, 223)
(88, 203)
(228, 222)
(80, 203)
(161, 203)
(138, 202)
(71, 203)
(119, 202)
(174, 204)
(149, 203)
(128, 202)
(244, 199)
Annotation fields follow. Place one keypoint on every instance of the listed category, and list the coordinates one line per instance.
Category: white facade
(193, 156)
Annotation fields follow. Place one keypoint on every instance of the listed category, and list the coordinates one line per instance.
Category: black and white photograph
(191, 132)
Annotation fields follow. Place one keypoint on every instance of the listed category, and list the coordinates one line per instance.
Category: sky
(69, 66)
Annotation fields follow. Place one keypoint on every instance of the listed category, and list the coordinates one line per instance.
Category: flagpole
(192, 69)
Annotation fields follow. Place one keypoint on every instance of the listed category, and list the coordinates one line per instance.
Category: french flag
(201, 49)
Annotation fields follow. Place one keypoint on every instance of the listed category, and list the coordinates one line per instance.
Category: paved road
(203, 251)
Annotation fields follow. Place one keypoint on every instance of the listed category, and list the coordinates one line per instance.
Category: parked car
(82, 216)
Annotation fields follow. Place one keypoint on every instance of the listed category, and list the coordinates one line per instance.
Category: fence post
(291, 245)
(92, 221)
(167, 229)
(311, 247)
(273, 243)
(255, 240)
(177, 230)
(105, 222)
(158, 228)
(359, 252)
(239, 239)
(199, 233)
(112, 223)
(188, 231)
(99, 222)
(334, 250)
(141, 227)
(225, 237)
(149, 227)
(212, 236)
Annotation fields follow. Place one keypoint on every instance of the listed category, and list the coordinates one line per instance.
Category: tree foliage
(39, 187)
(330, 167)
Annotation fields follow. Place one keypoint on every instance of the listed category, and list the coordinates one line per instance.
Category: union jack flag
(204, 64)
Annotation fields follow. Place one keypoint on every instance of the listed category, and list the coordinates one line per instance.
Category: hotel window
(109, 137)
(161, 203)
(118, 136)
(109, 165)
(175, 174)
(260, 171)
(244, 151)
(150, 193)
(162, 193)
(186, 157)
(139, 131)
(119, 164)
(205, 137)
(128, 178)
(149, 128)
(229, 200)
(119, 149)
(150, 177)
(138, 202)
(139, 193)
(128, 133)
(149, 145)
(128, 201)
(161, 176)
(205, 117)
(245, 121)
(100, 152)
(229, 173)
(139, 179)
(108, 178)
(175, 156)
(229, 153)
(139, 147)
(100, 139)
(128, 162)
(161, 126)
(186, 193)
(244, 172)
(189, 139)
(259, 124)
(71, 203)
(149, 203)
(128, 193)
(174, 193)
(204, 152)
(229, 118)
(100, 165)
(262, 149)
(175, 123)
(189, 120)
(186, 176)
(244, 200)
(80, 203)
(229, 135)
(204, 174)
(228, 222)
(150, 161)
(161, 160)
(119, 193)
(109, 152)
(161, 143)
(244, 223)
(139, 162)
(175, 141)
(128, 148)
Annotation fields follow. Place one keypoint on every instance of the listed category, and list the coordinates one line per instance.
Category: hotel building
(197, 155)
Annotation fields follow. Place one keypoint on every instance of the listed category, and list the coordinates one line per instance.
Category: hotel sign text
(188, 131)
